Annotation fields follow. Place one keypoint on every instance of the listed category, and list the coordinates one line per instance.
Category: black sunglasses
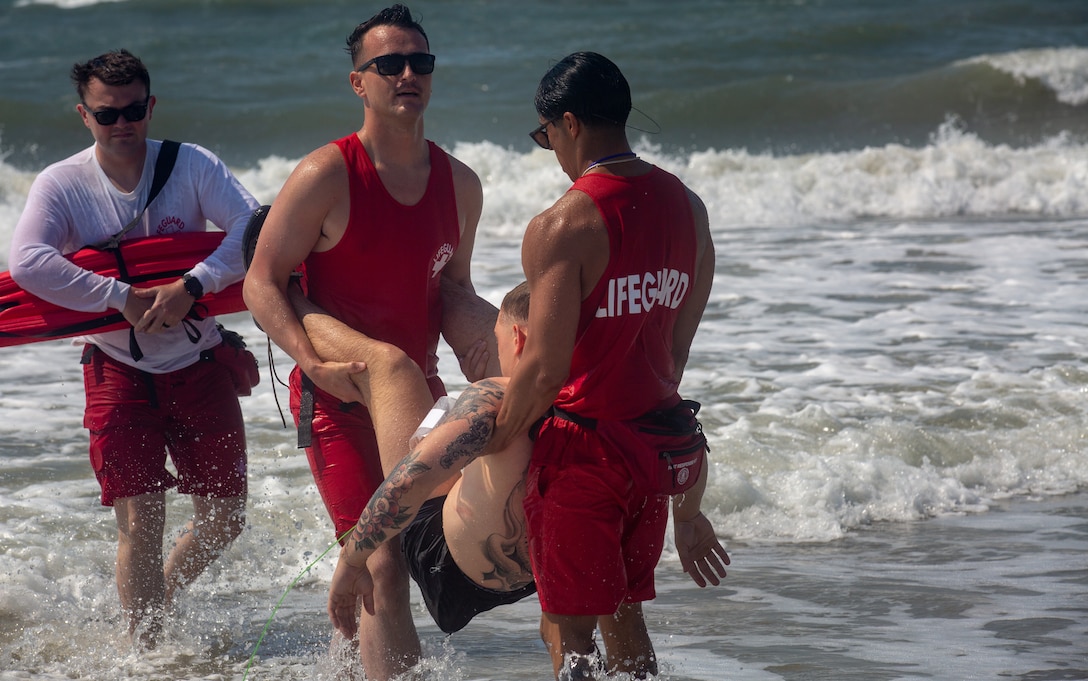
(132, 113)
(540, 135)
(393, 64)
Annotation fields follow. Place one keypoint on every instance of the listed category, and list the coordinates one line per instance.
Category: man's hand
(136, 306)
(348, 584)
(335, 379)
(163, 306)
(474, 361)
(701, 554)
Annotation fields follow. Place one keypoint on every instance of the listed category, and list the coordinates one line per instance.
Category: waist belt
(591, 423)
(584, 421)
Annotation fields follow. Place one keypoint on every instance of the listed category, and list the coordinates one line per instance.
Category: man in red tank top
(619, 270)
(383, 221)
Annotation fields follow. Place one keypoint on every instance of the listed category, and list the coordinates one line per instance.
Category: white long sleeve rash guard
(73, 204)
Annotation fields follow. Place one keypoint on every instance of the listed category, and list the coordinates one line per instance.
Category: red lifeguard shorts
(594, 539)
(135, 418)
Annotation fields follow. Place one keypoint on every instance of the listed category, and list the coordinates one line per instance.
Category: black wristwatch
(193, 286)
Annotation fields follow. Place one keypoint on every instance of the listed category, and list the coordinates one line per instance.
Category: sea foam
(1062, 69)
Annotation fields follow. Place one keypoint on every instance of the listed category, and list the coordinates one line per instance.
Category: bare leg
(215, 524)
(627, 643)
(388, 642)
(569, 640)
(396, 394)
(140, 523)
(398, 398)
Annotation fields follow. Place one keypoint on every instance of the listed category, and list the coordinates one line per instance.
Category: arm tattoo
(385, 510)
(477, 406)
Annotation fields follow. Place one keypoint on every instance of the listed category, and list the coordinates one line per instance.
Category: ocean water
(891, 366)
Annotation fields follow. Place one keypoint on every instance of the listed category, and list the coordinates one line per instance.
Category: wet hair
(119, 67)
(398, 15)
(515, 305)
(587, 85)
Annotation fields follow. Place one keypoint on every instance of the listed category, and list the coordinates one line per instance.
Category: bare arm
(457, 440)
(564, 253)
(470, 201)
(701, 554)
(468, 321)
(691, 313)
(468, 325)
(314, 195)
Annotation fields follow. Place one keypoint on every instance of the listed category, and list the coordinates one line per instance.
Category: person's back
(484, 521)
(468, 549)
(623, 365)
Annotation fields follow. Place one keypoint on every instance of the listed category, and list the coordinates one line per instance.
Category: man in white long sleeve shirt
(174, 398)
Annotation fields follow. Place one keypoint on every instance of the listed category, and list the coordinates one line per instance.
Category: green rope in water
(290, 586)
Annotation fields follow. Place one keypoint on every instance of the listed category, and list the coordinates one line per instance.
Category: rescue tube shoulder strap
(164, 165)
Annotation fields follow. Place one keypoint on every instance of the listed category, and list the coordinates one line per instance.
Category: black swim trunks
(452, 598)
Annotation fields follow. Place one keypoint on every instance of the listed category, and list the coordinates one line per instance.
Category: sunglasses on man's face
(133, 113)
(540, 135)
(393, 64)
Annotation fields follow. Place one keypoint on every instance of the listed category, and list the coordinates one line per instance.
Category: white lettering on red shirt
(635, 294)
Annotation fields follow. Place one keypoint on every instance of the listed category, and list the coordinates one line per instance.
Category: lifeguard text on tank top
(635, 294)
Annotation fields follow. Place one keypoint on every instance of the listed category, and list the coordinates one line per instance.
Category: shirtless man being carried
(466, 547)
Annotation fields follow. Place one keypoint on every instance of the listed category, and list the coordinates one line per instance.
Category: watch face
(193, 286)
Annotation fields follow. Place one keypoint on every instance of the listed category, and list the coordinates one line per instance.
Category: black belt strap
(306, 413)
(591, 423)
(583, 421)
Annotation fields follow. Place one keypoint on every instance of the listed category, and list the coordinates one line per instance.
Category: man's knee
(389, 571)
(233, 526)
(140, 519)
(391, 359)
(569, 640)
(221, 520)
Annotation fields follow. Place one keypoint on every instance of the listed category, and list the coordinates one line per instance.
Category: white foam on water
(1062, 69)
(64, 4)
(956, 174)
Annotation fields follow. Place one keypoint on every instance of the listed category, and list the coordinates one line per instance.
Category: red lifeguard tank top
(622, 365)
(383, 276)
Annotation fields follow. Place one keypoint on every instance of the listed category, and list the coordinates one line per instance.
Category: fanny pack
(239, 361)
(665, 448)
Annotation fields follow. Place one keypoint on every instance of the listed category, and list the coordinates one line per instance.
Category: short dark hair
(515, 305)
(119, 67)
(587, 85)
(398, 15)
